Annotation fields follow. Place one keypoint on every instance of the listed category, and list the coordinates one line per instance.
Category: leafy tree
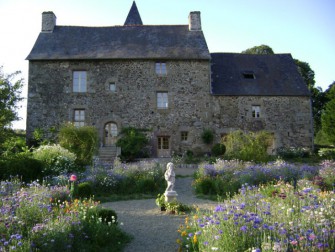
(330, 92)
(10, 91)
(132, 143)
(306, 72)
(262, 49)
(82, 141)
(251, 146)
(328, 120)
(319, 100)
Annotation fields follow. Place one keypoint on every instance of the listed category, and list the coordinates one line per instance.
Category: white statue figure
(170, 177)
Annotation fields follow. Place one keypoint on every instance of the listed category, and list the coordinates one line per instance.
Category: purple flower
(219, 208)
(244, 229)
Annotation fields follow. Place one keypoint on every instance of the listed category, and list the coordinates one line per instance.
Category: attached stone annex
(161, 78)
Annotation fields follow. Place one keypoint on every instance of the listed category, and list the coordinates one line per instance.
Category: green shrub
(13, 145)
(292, 152)
(250, 146)
(132, 142)
(146, 185)
(107, 215)
(205, 185)
(218, 150)
(327, 153)
(82, 141)
(207, 136)
(85, 190)
(57, 160)
(23, 166)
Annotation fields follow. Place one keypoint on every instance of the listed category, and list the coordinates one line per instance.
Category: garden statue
(170, 194)
(170, 177)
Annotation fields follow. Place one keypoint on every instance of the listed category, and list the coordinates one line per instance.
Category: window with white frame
(161, 68)
(79, 81)
(162, 100)
(79, 117)
(112, 87)
(256, 111)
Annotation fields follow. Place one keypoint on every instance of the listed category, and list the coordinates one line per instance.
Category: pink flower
(294, 242)
(73, 177)
(312, 236)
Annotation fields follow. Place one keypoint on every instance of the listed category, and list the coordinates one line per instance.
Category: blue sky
(304, 28)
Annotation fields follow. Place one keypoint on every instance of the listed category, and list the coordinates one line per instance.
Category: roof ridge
(112, 26)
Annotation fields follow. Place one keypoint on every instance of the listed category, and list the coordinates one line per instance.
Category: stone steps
(108, 154)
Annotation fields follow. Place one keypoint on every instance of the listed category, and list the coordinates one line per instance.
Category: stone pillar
(194, 21)
(170, 196)
(48, 21)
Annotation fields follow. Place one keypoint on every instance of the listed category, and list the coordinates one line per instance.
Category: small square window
(162, 100)
(161, 69)
(79, 117)
(112, 87)
(256, 111)
(184, 135)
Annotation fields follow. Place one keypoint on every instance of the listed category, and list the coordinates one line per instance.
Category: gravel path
(152, 229)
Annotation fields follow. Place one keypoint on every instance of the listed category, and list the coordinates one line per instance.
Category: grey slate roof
(120, 42)
(275, 75)
(133, 17)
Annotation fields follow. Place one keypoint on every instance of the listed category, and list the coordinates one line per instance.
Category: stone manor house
(162, 78)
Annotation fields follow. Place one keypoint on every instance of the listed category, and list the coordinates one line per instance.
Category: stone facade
(52, 102)
(287, 117)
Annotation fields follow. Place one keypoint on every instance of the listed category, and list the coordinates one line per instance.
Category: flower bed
(144, 177)
(40, 218)
(271, 218)
(226, 177)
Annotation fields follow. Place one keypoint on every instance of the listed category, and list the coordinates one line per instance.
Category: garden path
(152, 229)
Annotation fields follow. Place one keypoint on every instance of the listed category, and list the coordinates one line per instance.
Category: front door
(110, 134)
(163, 146)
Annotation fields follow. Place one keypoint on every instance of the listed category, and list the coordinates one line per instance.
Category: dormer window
(248, 75)
(160, 68)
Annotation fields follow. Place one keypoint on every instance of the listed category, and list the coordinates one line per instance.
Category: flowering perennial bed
(41, 218)
(270, 218)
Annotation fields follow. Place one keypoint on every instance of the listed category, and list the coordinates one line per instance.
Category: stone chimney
(194, 21)
(48, 21)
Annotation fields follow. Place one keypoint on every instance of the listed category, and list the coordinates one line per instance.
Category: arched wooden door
(111, 133)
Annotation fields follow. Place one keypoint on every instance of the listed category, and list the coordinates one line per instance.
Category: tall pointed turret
(133, 17)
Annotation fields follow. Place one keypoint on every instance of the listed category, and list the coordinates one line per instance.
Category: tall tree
(328, 120)
(306, 72)
(262, 49)
(330, 92)
(10, 96)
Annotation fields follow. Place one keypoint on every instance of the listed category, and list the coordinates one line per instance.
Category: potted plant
(160, 201)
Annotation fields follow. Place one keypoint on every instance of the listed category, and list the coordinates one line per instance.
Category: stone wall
(288, 118)
(51, 101)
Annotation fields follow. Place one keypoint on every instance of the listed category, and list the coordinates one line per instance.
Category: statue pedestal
(170, 196)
